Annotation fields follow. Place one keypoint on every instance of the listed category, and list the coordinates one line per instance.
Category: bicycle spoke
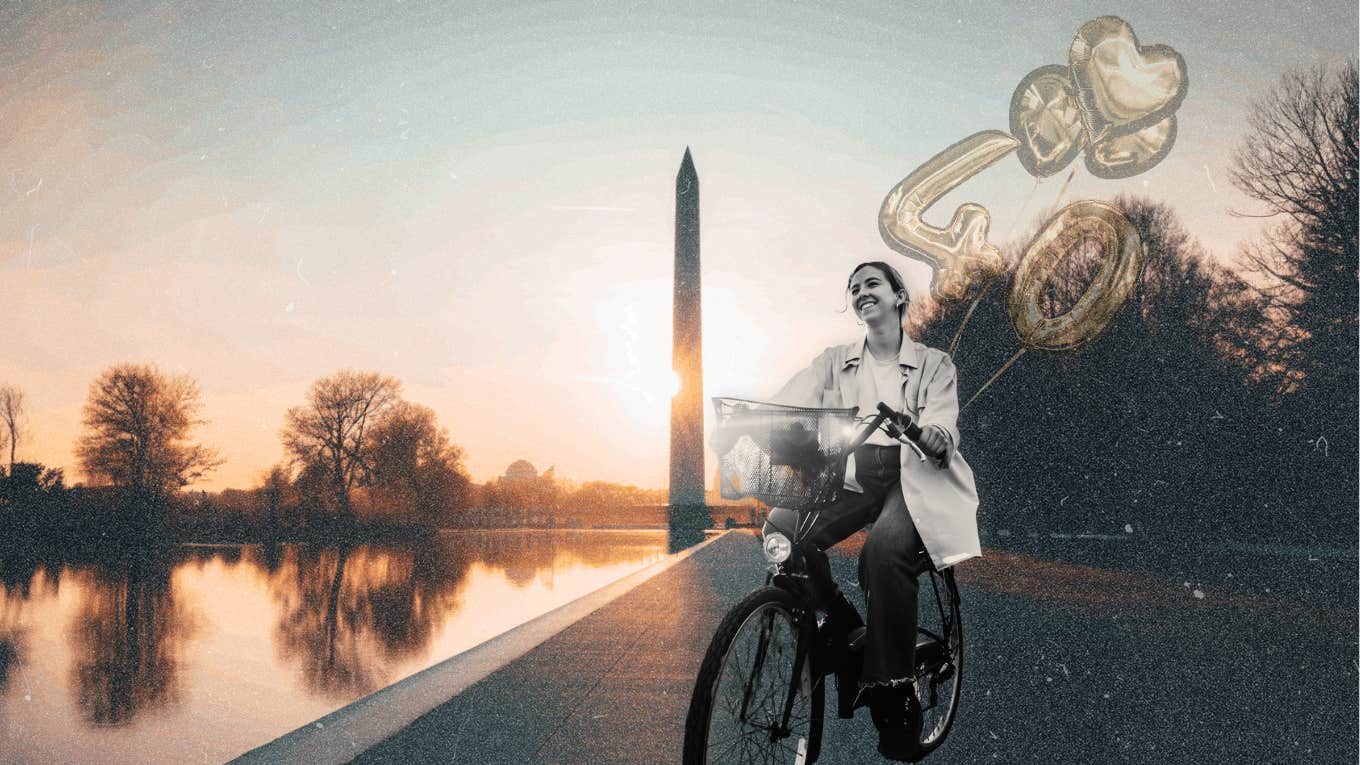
(939, 601)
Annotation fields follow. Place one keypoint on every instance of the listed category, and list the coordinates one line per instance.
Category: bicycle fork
(756, 666)
(801, 657)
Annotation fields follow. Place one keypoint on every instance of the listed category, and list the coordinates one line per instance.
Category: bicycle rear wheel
(756, 699)
(939, 658)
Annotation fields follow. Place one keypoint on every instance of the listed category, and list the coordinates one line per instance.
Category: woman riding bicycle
(922, 514)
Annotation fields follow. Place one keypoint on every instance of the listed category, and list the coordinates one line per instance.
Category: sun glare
(636, 362)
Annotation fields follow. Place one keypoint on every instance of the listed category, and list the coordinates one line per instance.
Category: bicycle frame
(801, 570)
(794, 575)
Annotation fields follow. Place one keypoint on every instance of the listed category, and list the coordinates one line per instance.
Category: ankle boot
(897, 714)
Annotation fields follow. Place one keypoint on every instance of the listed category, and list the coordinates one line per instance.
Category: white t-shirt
(879, 381)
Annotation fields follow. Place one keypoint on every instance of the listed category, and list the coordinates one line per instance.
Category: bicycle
(760, 693)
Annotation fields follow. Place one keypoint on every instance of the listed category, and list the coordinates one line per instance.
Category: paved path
(1066, 663)
(612, 688)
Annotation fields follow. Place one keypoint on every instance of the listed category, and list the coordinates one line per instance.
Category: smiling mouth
(866, 303)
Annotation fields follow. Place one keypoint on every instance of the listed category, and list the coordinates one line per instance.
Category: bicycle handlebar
(900, 424)
(867, 431)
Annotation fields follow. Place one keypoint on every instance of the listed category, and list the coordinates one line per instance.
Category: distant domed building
(520, 470)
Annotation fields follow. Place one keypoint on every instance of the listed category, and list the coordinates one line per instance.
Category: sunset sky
(477, 197)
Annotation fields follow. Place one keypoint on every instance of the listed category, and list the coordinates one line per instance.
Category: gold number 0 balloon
(1121, 263)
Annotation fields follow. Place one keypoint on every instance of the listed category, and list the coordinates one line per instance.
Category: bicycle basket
(785, 456)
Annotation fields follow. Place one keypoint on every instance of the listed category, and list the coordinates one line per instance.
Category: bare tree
(1299, 162)
(414, 463)
(137, 431)
(332, 432)
(11, 411)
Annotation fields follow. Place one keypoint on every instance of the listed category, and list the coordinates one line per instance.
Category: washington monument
(687, 408)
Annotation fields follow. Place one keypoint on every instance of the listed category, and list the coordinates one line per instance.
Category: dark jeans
(892, 557)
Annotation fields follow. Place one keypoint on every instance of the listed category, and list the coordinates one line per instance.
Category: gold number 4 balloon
(959, 253)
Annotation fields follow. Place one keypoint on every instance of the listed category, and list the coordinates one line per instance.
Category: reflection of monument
(687, 510)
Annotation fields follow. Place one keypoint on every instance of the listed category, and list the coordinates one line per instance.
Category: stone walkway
(612, 688)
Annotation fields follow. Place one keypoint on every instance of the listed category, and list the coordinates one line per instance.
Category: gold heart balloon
(1128, 155)
(1123, 87)
(1047, 120)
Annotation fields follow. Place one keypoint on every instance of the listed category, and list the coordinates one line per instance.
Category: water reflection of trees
(349, 616)
(21, 571)
(11, 653)
(11, 636)
(127, 637)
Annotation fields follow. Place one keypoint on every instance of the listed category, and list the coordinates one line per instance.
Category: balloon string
(1015, 221)
(1061, 192)
(955, 343)
(1003, 368)
(1023, 206)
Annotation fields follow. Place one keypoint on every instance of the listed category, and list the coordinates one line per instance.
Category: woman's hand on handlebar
(930, 442)
(933, 441)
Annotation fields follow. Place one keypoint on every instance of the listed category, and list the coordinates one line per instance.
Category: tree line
(354, 437)
(359, 460)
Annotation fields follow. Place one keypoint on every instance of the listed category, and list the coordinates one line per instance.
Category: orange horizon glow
(482, 205)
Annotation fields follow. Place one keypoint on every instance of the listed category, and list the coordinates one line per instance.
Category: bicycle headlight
(777, 547)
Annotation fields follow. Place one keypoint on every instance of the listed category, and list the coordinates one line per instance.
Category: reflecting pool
(199, 653)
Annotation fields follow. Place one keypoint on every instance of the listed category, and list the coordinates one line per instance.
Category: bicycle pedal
(929, 652)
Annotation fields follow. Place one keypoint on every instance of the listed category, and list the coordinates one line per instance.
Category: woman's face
(872, 296)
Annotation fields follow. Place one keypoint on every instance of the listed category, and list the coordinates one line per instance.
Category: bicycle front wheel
(756, 699)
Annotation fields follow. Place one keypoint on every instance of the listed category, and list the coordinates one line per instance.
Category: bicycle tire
(724, 672)
(939, 662)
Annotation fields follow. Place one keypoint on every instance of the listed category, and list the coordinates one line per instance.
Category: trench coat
(942, 502)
